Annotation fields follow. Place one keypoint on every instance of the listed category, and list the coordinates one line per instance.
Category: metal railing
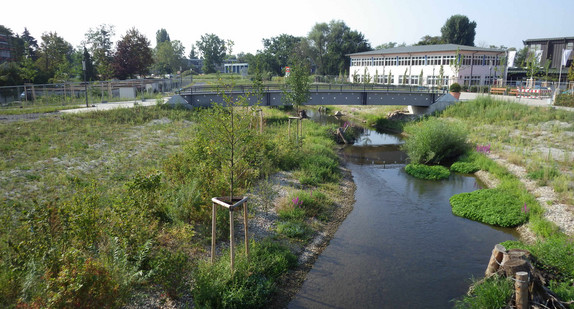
(74, 93)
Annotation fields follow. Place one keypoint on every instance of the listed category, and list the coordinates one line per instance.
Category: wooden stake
(495, 259)
(521, 289)
(213, 216)
(231, 242)
(246, 230)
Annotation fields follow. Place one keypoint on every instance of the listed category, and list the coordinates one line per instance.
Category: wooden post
(213, 223)
(289, 130)
(260, 121)
(521, 289)
(246, 230)
(231, 242)
(495, 259)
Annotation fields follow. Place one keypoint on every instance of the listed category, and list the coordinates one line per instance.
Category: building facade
(551, 49)
(5, 49)
(429, 65)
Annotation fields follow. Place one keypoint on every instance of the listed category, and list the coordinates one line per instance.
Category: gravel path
(561, 214)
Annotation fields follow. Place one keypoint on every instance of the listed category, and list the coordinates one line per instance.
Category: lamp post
(85, 84)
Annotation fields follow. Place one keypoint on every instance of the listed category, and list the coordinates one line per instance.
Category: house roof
(570, 38)
(427, 48)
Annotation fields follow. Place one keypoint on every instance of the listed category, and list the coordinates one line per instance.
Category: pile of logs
(530, 283)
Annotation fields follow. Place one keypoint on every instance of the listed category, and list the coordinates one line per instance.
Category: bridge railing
(315, 87)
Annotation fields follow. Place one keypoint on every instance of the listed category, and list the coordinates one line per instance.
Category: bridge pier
(441, 104)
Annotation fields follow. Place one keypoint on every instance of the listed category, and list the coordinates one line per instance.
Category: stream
(401, 246)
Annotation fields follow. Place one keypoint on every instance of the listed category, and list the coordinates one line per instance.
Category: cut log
(511, 267)
(495, 259)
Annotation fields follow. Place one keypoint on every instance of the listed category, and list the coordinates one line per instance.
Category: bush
(564, 100)
(434, 141)
(455, 87)
(491, 206)
(464, 168)
(422, 171)
(293, 229)
(252, 283)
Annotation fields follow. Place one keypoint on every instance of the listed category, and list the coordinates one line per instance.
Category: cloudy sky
(502, 22)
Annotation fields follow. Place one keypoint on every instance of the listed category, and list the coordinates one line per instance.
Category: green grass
(123, 194)
(492, 206)
(250, 285)
(464, 168)
(422, 171)
(493, 293)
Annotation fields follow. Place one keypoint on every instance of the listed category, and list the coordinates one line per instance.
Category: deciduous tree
(169, 57)
(213, 50)
(54, 50)
(133, 55)
(99, 43)
(458, 29)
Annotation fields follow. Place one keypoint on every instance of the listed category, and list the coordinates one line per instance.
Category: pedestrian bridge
(205, 96)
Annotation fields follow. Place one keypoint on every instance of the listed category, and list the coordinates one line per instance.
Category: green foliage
(435, 141)
(564, 290)
(464, 168)
(565, 99)
(422, 171)
(455, 87)
(297, 83)
(492, 293)
(543, 174)
(213, 50)
(458, 29)
(133, 55)
(250, 285)
(293, 229)
(492, 206)
(171, 270)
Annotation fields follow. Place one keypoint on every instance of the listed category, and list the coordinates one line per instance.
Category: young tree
(133, 55)
(213, 50)
(456, 64)
(440, 76)
(458, 29)
(366, 77)
(571, 73)
(87, 58)
(28, 70)
(100, 45)
(297, 84)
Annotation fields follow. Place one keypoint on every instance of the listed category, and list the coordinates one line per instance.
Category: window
(386, 79)
(448, 60)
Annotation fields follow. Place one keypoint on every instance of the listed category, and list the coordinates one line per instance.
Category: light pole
(85, 84)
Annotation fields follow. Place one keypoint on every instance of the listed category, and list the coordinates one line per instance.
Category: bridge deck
(203, 98)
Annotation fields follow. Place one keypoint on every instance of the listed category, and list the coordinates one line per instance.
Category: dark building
(5, 49)
(552, 49)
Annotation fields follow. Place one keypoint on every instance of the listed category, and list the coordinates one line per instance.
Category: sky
(247, 22)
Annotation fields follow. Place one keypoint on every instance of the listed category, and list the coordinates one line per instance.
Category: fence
(73, 93)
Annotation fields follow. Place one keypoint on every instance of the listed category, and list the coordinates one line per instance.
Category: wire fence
(75, 93)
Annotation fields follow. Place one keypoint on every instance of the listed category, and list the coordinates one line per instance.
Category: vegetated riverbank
(529, 151)
(114, 194)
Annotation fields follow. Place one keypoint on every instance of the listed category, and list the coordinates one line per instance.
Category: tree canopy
(169, 57)
(133, 55)
(330, 43)
(458, 29)
(100, 45)
(213, 50)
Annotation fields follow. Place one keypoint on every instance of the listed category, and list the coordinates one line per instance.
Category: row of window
(430, 80)
(426, 60)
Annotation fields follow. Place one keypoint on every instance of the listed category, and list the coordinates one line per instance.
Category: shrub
(565, 100)
(422, 171)
(491, 206)
(251, 284)
(455, 87)
(434, 141)
(169, 269)
(464, 168)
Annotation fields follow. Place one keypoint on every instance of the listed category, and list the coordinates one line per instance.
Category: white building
(421, 65)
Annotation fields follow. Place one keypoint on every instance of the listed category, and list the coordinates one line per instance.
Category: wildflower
(525, 209)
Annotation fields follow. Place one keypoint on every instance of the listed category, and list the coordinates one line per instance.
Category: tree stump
(495, 259)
